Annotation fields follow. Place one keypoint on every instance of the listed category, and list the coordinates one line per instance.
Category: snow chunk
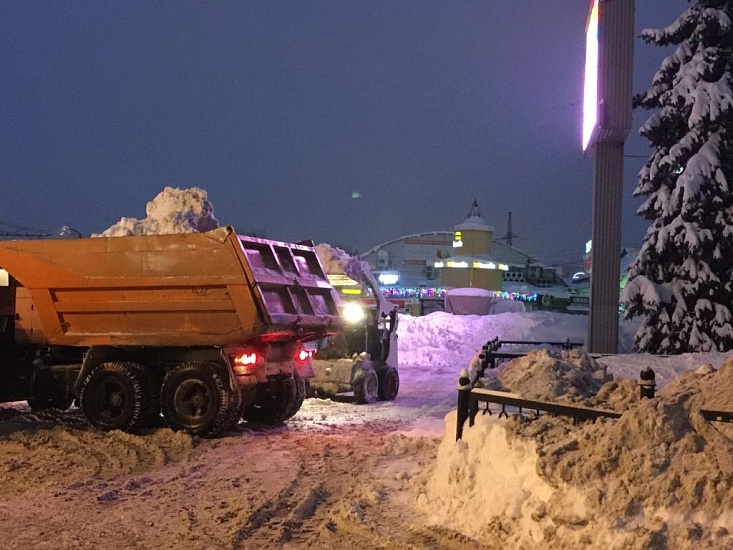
(172, 211)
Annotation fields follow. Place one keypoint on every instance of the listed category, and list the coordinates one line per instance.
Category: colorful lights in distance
(413, 292)
(438, 292)
(476, 264)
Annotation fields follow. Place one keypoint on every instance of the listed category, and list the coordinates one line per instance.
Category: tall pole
(615, 90)
(605, 270)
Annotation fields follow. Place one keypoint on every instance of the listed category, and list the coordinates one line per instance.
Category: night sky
(352, 123)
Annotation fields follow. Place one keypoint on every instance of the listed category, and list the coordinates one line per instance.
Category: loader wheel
(365, 385)
(276, 402)
(195, 398)
(112, 397)
(389, 384)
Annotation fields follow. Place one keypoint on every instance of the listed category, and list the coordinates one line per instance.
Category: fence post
(464, 396)
(647, 383)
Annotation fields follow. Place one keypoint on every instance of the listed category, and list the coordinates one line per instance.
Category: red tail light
(304, 354)
(246, 361)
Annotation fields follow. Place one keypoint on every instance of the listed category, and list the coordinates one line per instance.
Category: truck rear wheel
(365, 385)
(112, 397)
(195, 398)
(234, 413)
(276, 402)
(300, 391)
(389, 384)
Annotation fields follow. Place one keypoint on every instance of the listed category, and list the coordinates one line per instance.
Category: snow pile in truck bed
(661, 476)
(172, 211)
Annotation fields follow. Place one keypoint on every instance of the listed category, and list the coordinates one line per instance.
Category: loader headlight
(353, 313)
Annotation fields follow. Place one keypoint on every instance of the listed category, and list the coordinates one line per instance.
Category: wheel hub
(191, 399)
(116, 399)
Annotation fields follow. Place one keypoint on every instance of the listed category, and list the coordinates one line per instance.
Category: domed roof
(474, 221)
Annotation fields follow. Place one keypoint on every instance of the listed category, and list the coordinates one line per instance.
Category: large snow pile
(444, 340)
(661, 476)
(172, 211)
(332, 258)
(569, 376)
(336, 261)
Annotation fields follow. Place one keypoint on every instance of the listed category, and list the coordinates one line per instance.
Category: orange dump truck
(203, 328)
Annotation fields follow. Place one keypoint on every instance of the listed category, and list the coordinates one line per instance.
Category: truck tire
(195, 398)
(365, 385)
(236, 408)
(112, 397)
(275, 401)
(300, 391)
(389, 384)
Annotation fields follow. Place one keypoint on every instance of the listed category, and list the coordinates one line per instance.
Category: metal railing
(469, 398)
(492, 355)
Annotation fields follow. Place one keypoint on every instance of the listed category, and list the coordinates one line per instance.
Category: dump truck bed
(195, 289)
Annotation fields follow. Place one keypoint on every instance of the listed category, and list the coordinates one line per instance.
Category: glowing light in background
(389, 278)
(590, 88)
(457, 239)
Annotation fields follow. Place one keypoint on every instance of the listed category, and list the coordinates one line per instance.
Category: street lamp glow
(590, 86)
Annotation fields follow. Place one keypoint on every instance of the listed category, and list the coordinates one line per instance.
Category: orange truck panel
(194, 289)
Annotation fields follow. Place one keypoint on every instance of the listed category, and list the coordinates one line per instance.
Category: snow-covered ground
(391, 474)
(661, 473)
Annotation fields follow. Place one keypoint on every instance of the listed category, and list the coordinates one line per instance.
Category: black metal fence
(494, 352)
(470, 398)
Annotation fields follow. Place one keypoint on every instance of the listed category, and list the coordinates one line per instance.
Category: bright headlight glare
(353, 313)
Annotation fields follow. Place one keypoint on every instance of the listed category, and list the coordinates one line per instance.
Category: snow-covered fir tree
(681, 283)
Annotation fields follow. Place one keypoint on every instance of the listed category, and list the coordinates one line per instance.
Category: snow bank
(444, 340)
(488, 487)
(569, 376)
(660, 476)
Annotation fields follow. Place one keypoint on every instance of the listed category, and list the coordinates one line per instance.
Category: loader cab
(370, 324)
(362, 358)
(370, 332)
(357, 337)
